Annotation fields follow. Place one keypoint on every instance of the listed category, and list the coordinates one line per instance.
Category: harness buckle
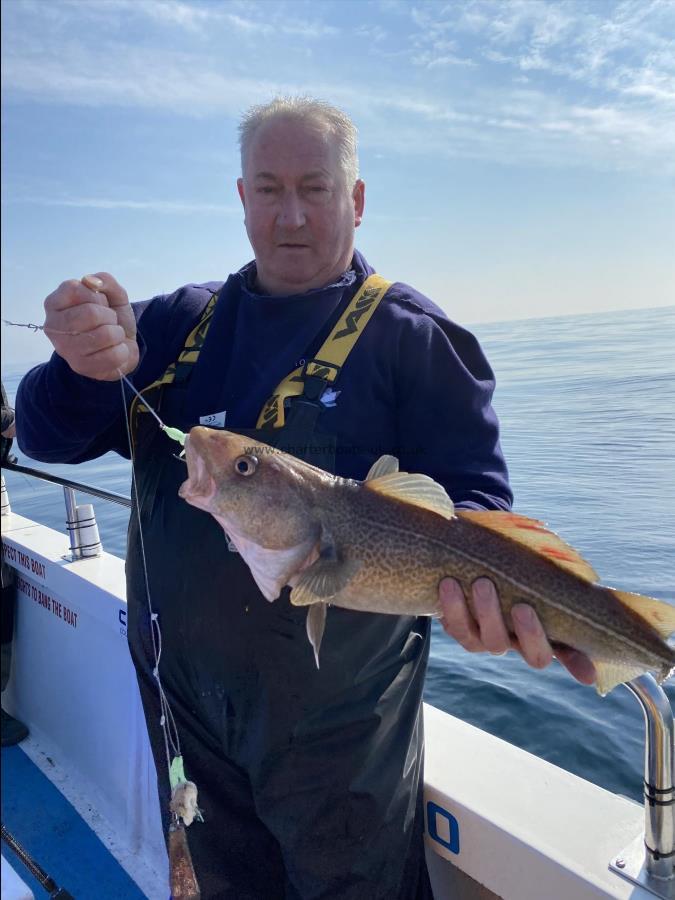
(315, 382)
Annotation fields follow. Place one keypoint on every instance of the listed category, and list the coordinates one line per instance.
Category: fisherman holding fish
(309, 777)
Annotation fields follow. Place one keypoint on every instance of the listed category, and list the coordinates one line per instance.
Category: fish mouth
(199, 487)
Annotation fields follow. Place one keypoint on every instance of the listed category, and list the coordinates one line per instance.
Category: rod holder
(650, 860)
(82, 528)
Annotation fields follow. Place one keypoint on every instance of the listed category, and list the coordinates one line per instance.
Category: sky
(519, 155)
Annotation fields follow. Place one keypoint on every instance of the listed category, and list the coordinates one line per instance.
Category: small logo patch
(215, 420)
(329, 397)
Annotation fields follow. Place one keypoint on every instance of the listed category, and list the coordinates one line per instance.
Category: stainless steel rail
(659, 776)
(69, 483)
(649, 860)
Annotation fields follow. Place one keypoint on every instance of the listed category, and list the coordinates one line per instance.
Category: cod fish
(384, 544)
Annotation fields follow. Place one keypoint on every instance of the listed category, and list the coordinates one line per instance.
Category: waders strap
(312, 378)
(179, 370)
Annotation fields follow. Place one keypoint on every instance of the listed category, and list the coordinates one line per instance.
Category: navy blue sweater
(415, 385)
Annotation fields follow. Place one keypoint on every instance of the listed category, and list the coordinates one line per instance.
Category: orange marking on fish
(558, 554)
(525, 524)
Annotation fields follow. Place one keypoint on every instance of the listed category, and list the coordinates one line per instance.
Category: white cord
(166, 721)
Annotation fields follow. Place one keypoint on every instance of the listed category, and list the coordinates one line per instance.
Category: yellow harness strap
(326, 365)
(180, 367)
(330, 359)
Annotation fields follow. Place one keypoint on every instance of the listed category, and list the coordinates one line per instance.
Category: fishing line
(167, 721)
(183, 807)
(174, 433)
(172, 747)
(35, 328)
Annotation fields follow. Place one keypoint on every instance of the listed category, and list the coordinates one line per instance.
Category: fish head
(261, 497)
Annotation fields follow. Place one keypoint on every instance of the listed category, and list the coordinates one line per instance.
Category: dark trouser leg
(343, 795)
(234, 855)
(340, 838)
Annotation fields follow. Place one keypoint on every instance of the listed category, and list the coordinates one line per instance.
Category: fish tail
(656, 613)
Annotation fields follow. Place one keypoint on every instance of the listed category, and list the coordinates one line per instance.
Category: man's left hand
(480, 628)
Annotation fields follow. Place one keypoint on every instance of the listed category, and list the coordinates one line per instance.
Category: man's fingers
(104, 364)
(577, 664)
(488, 615)
(72, 293)
(106, 284)
(83, 318)
(534, 644)
(479, 626)
(102, 338)
(456, 618)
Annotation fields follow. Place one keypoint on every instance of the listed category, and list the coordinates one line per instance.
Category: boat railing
(648, 861)
(80, 518)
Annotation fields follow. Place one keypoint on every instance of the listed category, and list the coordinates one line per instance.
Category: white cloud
(581, 87)
(260, 18)
(152, 206)
(126, 76)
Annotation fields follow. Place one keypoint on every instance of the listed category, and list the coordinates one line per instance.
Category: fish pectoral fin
(609, 674)
(417, 490)
(316, 623)
(385, 465)
(657, 613)
(536, 536)
(323, 580)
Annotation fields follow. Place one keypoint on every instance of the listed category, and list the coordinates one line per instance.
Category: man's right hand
(93, 327)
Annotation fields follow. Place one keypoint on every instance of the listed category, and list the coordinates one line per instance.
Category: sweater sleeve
(447, 426)
(63, 417)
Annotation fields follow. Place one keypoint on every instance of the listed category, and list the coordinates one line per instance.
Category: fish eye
(245, 465)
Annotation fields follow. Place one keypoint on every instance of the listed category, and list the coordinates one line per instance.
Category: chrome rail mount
(80, 519)
(649, 860)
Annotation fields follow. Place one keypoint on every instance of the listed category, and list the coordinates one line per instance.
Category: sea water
(587, 411)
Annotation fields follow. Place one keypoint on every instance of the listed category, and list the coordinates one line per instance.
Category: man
(13, 731)
(310, 781)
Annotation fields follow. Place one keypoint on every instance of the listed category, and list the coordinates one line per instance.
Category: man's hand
(10, 432)
(480, 628)
(92, 326)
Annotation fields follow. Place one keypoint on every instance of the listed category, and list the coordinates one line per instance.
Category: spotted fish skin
(383, 545)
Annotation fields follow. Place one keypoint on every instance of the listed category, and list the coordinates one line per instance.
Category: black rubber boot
(13, 731)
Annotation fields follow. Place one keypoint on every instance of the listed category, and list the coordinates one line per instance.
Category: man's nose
(292, 213)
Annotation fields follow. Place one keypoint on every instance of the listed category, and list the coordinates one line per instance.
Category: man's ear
(359, 197)
(240, 190)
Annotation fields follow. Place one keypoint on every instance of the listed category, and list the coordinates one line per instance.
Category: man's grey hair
(315, 112)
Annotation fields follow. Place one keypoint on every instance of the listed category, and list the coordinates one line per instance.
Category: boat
(499, 821)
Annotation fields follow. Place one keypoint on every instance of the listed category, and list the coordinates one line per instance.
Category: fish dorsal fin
(385, 465)
(657, 613)
(533, 534)
(418, 490)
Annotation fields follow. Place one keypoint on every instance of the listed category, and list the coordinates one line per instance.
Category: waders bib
(309, 779)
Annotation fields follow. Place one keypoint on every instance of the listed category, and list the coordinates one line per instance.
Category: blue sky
(519, 156)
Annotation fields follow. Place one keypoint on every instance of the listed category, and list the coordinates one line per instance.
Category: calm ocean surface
(587, 408)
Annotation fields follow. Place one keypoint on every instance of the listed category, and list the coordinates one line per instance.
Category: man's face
(300, 213)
